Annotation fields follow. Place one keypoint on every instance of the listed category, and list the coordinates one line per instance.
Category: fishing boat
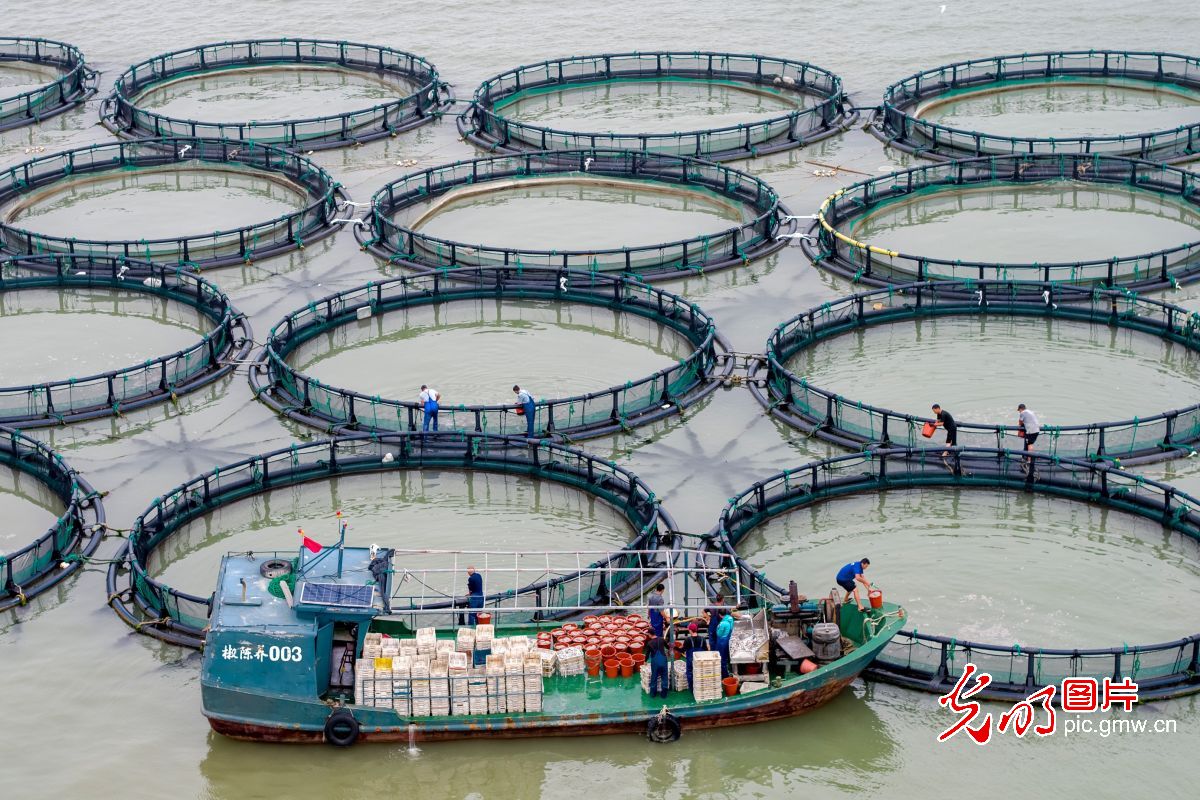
(352, 644)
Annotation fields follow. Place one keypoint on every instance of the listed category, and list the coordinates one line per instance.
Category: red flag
(312, 544)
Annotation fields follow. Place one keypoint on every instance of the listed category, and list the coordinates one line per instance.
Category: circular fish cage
(163, 612)
(22, 184)
(900, 125)
(876, 264)
(933, 663)
(754, 238)
(61, 551)
(426, 99)
(852, 423)
(485, 124)
(152, 381)
(638, 401)
(76, 81)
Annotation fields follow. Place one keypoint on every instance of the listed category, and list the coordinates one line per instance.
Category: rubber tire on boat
(275, 567)
(341, 729)
(664, 728)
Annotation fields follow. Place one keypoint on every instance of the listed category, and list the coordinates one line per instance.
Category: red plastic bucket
(627, 669)
(731, 686)
(483, 618)
(610, 668)
(928, 429)
(876, 598)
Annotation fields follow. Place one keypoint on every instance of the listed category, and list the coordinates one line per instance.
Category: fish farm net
(933, 663)
(122, 390)
(875, 264)
(636, 402)
(754, 238)
(425, 95)
(900, 126)
(154, 608)
(853, 423)
(75, 83)
(61, 550)
(486, 126)
(239, 245)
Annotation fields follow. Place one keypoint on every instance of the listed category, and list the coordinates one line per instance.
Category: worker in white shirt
(429, 400)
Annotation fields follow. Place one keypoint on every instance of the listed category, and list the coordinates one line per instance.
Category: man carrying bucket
(850, 576)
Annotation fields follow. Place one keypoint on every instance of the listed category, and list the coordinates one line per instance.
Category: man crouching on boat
(850, 576)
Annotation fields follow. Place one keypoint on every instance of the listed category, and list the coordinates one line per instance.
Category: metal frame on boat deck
(166, 613)
(62, 550)
(852, 423)
(638, 401)
(933, 663)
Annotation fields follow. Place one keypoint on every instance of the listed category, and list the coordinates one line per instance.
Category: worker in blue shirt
(724, 632)
(474, 593)
(850, 576)
(657, 603)
(525, 406)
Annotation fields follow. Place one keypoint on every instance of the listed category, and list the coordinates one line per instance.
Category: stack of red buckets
(614, 642)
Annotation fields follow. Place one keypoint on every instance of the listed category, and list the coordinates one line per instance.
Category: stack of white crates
(570, 661)
(420, 688)
(533, 682)
(477, 694)
(464, 641)
(439, 691)
(514, 683)
(495, 685)
(483, 636)
(459, 667)
(706, 675)
(364, 681)
(678, 676)
(426, 641)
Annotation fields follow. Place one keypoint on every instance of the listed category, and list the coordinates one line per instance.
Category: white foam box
(549, 661)
(679, 676)
(464, 640)
(570, 661)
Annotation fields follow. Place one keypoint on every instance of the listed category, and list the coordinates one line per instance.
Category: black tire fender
(341, 729)
(664, 728)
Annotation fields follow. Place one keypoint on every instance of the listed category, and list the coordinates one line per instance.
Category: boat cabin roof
(243, 598)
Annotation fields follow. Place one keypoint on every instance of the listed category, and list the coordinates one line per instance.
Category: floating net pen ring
(428, 99)
(760, 235)
(241, 245)
(161, 611)
(152, 381)
(851, 423)
(933, 663)
(76, 83)
(485, 126)
(62, 550)
(873, 263)
(639, 401)
(897, 124)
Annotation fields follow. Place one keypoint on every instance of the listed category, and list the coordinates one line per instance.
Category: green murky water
(270, 94)
(541, 346)
(1061, 221)
(1069, 373)
(579, 216)
(650, 106)
(979, 565)
(78, 332)
(101, 711)
(28, 509)
(1067, 108)
(156, 204)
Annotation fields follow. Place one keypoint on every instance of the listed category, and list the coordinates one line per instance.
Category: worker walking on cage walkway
(850, 576)
(525, 406)
(430, 400)
(944, 419)
(1028, 429)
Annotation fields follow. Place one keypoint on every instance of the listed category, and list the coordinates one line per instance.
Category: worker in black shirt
(944, 419)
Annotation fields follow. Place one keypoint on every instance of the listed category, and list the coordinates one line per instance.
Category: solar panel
(341, 595)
